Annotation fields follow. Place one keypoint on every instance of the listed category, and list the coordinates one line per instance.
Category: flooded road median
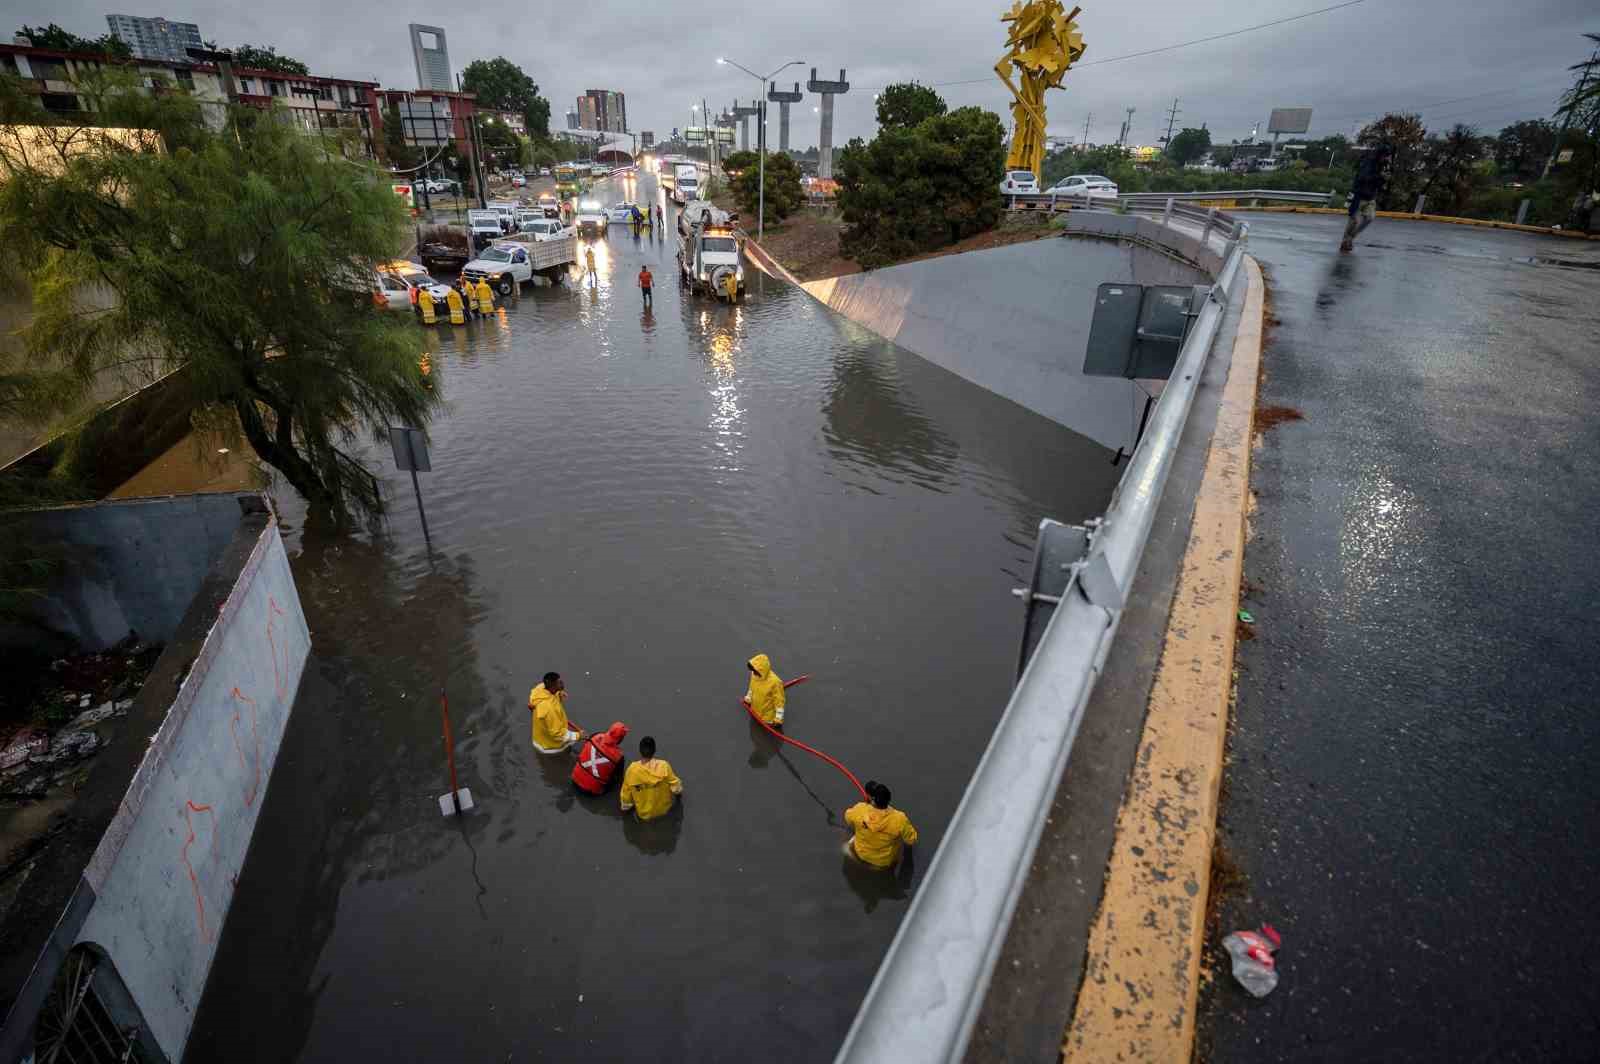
(639, 500)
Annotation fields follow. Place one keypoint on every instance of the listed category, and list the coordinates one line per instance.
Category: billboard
(1289, 120)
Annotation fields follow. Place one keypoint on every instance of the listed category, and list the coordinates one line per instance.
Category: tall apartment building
(572, 120)
(432, 58)
(155, 38)
(603, 110)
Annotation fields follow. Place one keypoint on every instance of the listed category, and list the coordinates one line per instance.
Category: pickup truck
(592, 219)
(513, 261)
(708, 254)
(485, 227)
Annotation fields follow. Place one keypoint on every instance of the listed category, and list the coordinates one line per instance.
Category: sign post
(411, 454)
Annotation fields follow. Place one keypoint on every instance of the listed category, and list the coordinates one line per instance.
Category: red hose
(813, 751)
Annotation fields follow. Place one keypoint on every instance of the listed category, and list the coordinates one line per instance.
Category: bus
(566, 180)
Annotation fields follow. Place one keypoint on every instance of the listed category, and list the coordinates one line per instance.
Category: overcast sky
(1483, 64)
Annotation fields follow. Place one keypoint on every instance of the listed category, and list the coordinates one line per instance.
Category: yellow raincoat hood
(766, 695)
(648, 787)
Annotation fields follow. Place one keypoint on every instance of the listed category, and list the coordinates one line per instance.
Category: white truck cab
(709, 255)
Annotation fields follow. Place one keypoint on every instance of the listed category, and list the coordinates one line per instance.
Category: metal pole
(1567, 118)
(761, 171)
(420, 511)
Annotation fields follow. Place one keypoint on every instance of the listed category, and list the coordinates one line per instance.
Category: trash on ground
(1246, 617)
(1253, 963)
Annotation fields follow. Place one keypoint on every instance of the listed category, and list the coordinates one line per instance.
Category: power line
(1165, 47)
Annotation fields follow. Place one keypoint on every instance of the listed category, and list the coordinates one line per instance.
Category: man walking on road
(646, 283)
(1370, 177)
(588, 259)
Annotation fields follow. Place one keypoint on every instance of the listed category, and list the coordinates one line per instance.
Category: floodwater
(640, 502)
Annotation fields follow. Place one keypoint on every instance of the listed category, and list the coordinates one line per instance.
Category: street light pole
(761, 138)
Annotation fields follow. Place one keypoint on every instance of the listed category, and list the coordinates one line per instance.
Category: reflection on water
(639, 502)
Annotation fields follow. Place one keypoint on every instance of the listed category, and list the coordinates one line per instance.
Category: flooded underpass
(639, 501)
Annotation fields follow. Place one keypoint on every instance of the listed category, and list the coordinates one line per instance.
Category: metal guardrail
(926, 996)
(1063, 201)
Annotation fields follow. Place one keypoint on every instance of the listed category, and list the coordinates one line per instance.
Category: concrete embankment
(1015, 320)
(137, 886)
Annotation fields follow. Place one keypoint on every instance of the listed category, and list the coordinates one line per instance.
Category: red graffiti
(280, 683)
(194, 880)
(254, 765)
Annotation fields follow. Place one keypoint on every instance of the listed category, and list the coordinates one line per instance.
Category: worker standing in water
(881, 832)
(485, 296)
(425, 307)
(647, 283)
(649, 785)
(588, 260)
(453, 301)
(766, 695)
(599, 758)
(552, 732)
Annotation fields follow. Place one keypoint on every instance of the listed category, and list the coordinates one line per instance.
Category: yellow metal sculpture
(1044, 41)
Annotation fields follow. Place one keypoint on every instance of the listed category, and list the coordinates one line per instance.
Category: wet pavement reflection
(639, 500)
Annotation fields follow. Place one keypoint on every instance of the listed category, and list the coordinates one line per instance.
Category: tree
(1449, 163)
(1522, 147)
(401, 155)
(499, 143)
(916, 189)
(1189, 145)
(500, 85)
(1404, 133)
(739, 161)
(783, 187)
(255, 57)
(243, 258)
(907, 104)
(53, 36)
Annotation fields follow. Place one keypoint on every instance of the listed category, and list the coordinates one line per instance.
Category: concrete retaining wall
(1015, 320)
(175, 825)
(131, 566)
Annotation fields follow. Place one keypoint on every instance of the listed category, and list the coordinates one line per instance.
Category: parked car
(596, 170)
(544, 171)
(1091, 186)
(444, 248)
(1018, 182)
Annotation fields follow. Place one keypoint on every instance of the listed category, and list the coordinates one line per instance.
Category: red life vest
(599, 758)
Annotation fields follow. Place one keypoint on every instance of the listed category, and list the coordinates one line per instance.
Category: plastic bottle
(1253, 964)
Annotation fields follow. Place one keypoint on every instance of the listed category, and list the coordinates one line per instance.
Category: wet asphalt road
(640, 501)
(1411, 791)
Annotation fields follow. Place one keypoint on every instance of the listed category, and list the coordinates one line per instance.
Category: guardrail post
(1211, 220)
(1166, 216)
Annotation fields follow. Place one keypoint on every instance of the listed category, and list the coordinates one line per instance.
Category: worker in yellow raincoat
(552, 732)
(457, 311)
(649, 785)
(425, 305)
(766, 695)
(881, 832)
(730, 287)
(485, 296)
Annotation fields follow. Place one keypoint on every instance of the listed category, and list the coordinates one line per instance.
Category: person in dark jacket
(1370, 177)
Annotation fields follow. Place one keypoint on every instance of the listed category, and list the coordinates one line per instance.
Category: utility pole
(1566, 119)
(1127, 124)
(1172, 120)
(1086, 120)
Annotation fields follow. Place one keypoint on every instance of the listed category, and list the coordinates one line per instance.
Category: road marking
(1142, 977)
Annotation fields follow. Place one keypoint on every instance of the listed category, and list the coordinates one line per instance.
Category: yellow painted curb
(1446, 219)
(1142, 975)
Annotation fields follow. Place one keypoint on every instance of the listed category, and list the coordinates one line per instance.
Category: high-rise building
(603, 110)
(647, 139)
(155, 38)
(432, 58)
(572, 120)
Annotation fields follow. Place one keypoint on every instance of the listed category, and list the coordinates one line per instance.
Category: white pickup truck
(708, 256)
(512, 262)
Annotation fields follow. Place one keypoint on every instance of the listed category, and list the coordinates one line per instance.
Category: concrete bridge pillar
(783, 100)
(828, 90)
